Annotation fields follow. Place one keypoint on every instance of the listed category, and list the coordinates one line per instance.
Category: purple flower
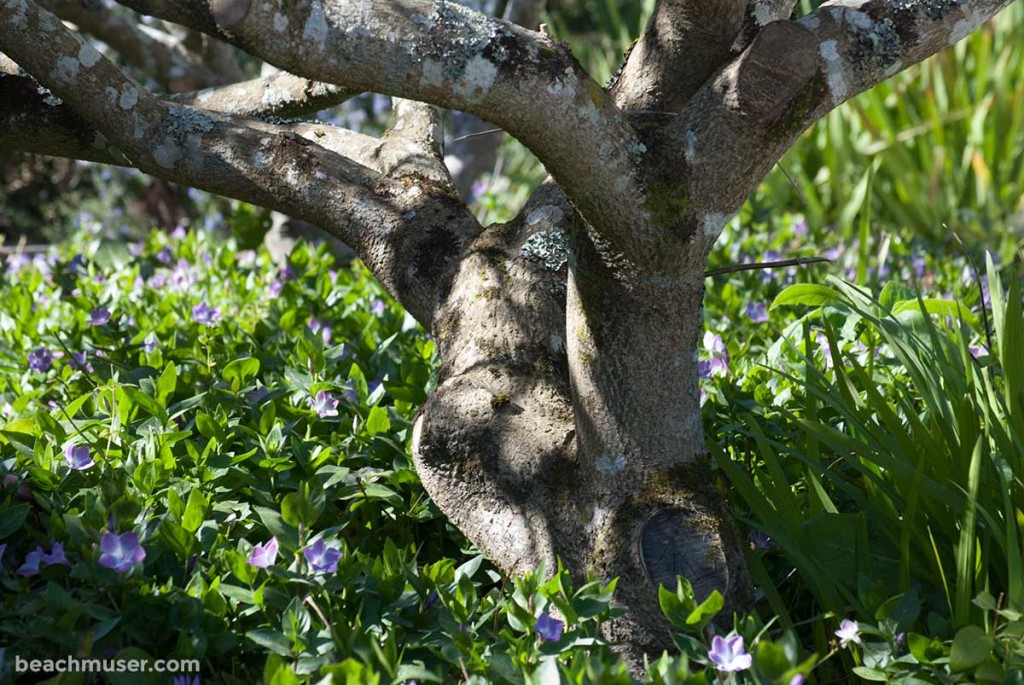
(164, 256)
(324, 404)
(757, 312)
(185, 680)
(719, 364)
(149, 343)
(549, 629)
(76, 264)
(56, 555)
(321, 558)
(377, 307)
(798, 679)
(16, 262)
(833, 253)
(205, 315)
(477, 190)
(800, 228)
(264, 555)
(40, 359)
(178, 233)
(37, 556)
(275, 287)
(32, 561)
(977, 350)
(759, 540)
(317, 326)
(78, 457)
(99, 316)
(80, 360)
(728, 654)
(849, 631)
(287, 273)
(919, 265)
(121, 552)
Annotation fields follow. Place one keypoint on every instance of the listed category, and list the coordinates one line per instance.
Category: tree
(566, 422)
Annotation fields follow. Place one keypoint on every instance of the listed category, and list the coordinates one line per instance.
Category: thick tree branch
(279, 94)
(450, 56)
(793, 73)
(235, 158)
(685, 42)
(169, 67)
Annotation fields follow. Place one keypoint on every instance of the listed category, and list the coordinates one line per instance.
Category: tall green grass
(902, 475)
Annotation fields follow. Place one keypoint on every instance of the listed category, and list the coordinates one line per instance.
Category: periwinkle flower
(849, 631)
(324, 404)
(756, 312)
(549, 628)
(275, 287)
(798, 679)
(264, 555)
(16, 262)
(321, 558)
(121, 552)
(99, 316)
(179, 233)
(759, 540)
(728, 654)
(800, 228)
(32, 561)
(37, 557)
(40, 359)
(719, 364)
(165, 256)
(78, 457)
(149, 343)
(56, 555)
(205, 315)
(185, 680)
(377, 307)
(323, 329)
(80, 360)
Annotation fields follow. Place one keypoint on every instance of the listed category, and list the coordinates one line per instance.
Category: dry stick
(765, 265)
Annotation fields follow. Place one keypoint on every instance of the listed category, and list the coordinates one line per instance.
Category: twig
(765, 265)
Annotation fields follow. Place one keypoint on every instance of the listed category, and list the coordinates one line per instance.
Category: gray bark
(566, 423)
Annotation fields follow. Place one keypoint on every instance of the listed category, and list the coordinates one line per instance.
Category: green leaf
(240, 371)
(971, 647)
(806, 294)
(700, 617)
(937, 306)
(13, 519)
(271, 639)
(377, 421)
(195, 511)
(166, 384)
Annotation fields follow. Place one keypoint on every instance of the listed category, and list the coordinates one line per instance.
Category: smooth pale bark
(566, 423)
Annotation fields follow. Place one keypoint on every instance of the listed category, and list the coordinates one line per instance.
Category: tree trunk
(566, 425)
